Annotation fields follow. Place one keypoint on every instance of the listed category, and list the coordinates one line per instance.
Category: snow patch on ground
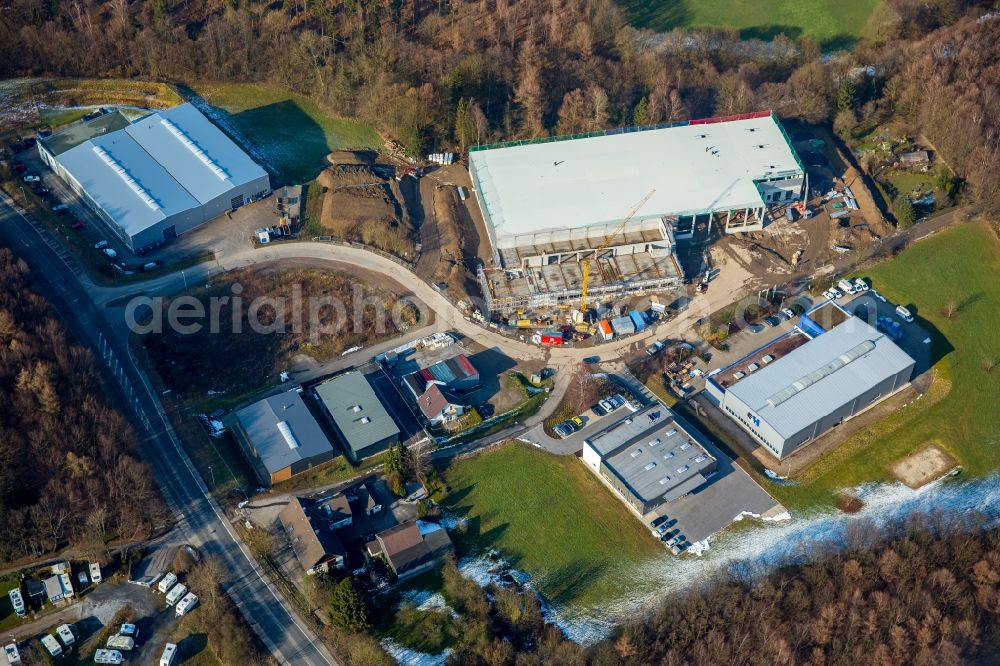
(407, 657)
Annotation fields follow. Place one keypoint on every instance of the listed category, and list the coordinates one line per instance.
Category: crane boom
(607, 241)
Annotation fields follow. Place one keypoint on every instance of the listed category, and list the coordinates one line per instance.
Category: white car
(31, 178)
(828, 295)
(109, 252)
(100, 245)
(861, 285)
(904, 314)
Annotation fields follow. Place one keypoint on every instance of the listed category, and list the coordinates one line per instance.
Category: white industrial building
(798, 386)
(158, 177)
(551, 203)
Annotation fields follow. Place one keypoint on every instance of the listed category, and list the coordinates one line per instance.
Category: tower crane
(603, 246)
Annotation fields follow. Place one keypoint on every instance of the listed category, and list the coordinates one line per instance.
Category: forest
(921, 592)
(68, 473)
(459, 72)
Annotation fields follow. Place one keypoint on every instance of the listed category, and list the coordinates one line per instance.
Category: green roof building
(357, 414)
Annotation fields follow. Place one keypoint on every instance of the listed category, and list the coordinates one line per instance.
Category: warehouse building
(649, 459)
(157, 178)
(801, 384)
(550, 204)
(362, 423)
(282, 437)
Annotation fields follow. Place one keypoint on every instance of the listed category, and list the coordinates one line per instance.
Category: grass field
(552, 518)
(834, 24)
(960, 410)
(291, 132)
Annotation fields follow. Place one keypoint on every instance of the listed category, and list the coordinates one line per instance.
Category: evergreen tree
(347, 607)
(902, 208)
(640, 114)
(846, 95)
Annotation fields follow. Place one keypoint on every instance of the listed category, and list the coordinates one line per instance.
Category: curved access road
(448, 316)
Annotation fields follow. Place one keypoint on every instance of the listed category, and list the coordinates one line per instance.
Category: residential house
(314, 543)
(335, 510)
(439, 405)
(411, 548)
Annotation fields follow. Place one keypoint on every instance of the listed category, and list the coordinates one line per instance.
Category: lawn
(290, 133)
(959, 413)
(552, 518)
(834, 24)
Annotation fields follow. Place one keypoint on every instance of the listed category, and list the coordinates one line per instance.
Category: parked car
(904, 314)
(577, 421)
(836, 292)
(772, 321)
(111, 254)
(786, 314)
(607, 406)
(77, 225)
(60, 208)
(662, 529)
(616, 400)
(861, 285)
(563, 430)
(592, 359)
(31, 178)
(100, 245)
(659, 520)
(755, 328)
(597, 409)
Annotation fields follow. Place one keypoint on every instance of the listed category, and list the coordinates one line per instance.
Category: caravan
(176, 593)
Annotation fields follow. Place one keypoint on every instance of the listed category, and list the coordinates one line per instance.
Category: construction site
(577, 222)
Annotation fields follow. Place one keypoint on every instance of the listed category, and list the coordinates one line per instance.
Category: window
(685, 446)
(681, 470)
(664, 480)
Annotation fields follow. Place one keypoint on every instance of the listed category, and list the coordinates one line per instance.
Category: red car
(20, 166)
(77, 225)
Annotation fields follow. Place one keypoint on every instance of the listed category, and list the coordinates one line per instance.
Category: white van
(168, 582)
(169, 652)
(108, 657)
(847, 286)
(52, 645)
(17, 601)
(904, 314)
(65, 634)
(13, 656)
(176, 593)
(95, 572)
(120, 642)
(186, 604)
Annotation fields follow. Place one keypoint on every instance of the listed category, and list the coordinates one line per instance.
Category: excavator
(585, 264)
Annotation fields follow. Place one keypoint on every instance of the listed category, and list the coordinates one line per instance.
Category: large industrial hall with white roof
(621, 199)
(156, 178)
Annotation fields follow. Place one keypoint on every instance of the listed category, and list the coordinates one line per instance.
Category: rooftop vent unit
(288, 435)
(664, 480)
(649, 466)
(636, 453)
(681, 470)
(655, 442)
(753, 367)
(193, 147)
(671, 432)
(699, 459)
(685, 446)
(365, 419)
(767, 359)
(123, 173)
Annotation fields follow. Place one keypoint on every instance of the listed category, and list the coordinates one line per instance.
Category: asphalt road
(200, 518)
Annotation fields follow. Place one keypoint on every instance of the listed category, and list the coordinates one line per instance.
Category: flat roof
(73, 135)
(653, 454)
(276, 449)
(355, 409)
(694, 167)
(809, 382)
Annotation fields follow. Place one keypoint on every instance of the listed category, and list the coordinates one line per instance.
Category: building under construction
(597, 215)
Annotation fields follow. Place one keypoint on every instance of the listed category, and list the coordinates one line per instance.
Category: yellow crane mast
(603, 246)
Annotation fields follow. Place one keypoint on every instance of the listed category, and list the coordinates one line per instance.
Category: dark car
(658, 521)
(77, 225)
(592, 359)
(772, 321)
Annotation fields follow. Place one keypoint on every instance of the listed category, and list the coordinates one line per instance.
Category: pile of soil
(450, 238)
(362, 203)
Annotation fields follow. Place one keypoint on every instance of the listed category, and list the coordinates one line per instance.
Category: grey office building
(648, 458)
(364, 426)
(794, 389)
